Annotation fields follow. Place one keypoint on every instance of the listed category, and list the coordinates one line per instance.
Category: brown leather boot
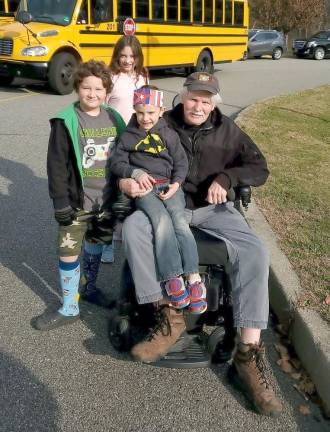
(249, 375)
(170, 325)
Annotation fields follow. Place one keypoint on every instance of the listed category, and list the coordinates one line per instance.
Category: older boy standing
(81, 139)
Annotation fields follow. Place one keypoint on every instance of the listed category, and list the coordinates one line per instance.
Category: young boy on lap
(151, 153)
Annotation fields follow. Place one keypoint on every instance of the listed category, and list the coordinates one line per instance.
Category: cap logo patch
(204, 77)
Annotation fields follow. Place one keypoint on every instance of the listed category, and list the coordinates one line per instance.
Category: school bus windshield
(49, 11)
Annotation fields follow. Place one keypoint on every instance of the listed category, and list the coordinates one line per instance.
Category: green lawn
(294, 134)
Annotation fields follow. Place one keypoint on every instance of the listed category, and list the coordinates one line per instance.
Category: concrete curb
(310, 335)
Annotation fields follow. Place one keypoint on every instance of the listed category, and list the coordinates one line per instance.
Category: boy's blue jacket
(64, 167)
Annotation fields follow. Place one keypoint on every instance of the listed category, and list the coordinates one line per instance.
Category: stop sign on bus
(129, 27)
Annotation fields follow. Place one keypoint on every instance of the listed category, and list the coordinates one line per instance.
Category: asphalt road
(71, 380)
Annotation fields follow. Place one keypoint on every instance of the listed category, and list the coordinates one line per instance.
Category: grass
(293, 132)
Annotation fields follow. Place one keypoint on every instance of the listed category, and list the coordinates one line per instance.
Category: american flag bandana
(147, 96)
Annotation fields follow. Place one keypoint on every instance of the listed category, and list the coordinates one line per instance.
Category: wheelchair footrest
(190, 351)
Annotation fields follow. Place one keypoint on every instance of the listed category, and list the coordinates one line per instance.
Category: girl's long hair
(135, 45)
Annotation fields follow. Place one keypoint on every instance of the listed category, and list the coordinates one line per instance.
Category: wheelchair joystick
(245, 195)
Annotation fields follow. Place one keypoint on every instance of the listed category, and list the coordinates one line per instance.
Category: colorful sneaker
(197, 295)
(177, 293)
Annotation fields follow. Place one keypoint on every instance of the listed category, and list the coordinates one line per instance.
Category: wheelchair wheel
(119, 331)
(220, 345)
(215, 337)
(129, 324)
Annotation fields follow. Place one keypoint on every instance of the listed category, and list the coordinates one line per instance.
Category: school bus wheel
(60, 74)
(204, 62)
(6, 80)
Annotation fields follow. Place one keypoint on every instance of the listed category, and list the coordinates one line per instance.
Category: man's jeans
(248, 263)
(175, 246)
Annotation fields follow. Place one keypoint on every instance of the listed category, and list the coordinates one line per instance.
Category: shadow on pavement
(31, 232)
(20, 84)
(25, 403)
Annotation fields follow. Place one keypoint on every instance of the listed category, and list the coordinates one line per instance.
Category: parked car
(316, 47)
(263, 42)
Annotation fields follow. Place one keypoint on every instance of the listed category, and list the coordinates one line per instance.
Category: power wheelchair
(130, 322)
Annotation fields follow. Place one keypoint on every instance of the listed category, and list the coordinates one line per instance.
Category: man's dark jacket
(217, 150)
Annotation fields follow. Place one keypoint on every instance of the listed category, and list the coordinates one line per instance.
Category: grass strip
(293, 132)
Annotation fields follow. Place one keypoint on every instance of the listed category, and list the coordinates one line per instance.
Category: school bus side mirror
(23, 17)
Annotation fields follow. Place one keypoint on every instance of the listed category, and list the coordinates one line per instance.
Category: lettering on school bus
(57, 34)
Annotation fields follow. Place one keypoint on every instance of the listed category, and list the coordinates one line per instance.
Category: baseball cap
(202, 81)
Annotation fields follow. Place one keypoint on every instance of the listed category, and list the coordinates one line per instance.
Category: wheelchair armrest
(243, 193)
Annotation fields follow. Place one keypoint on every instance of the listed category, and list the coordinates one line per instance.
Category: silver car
(266, 42)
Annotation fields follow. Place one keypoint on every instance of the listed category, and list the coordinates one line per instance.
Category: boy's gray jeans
(248, 263)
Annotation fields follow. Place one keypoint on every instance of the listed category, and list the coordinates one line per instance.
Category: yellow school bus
(7, 10)
(49, 37)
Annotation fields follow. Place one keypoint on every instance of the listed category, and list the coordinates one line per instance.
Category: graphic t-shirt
(97, 137)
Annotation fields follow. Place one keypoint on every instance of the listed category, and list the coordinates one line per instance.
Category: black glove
(65, 216)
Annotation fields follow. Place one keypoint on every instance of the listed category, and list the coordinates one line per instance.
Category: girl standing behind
(128, 74)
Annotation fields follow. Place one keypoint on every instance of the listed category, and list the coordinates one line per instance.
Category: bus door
(96, 30)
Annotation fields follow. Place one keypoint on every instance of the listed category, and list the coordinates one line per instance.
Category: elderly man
(221, 156)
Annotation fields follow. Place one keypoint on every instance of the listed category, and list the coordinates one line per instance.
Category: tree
(287, 15)
(307, 14)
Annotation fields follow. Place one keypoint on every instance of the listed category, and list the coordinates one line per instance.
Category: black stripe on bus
(99, 32)
(182, 23)
(177, 66)
(191, 34)
(95, 45)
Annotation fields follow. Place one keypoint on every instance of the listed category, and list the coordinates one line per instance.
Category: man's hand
(132, 188)
(172, 188)
(146, 181)
(216, 194)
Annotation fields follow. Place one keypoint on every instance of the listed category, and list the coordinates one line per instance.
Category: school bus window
(228, 12)
(142, 8)
(125, 8)
(172, 10)
(83, 14)
(219, 11)
(238, 13)
(101, 11)
(208, 7)
(13, 5)
(158, 9)
(198, 10)
(2, 6)
(49, 11)
(185, 10)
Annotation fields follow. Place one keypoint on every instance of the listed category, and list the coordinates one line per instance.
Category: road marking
(42, 280)
(19, 97)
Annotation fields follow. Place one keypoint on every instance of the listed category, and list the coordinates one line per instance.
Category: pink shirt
(121, 97)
